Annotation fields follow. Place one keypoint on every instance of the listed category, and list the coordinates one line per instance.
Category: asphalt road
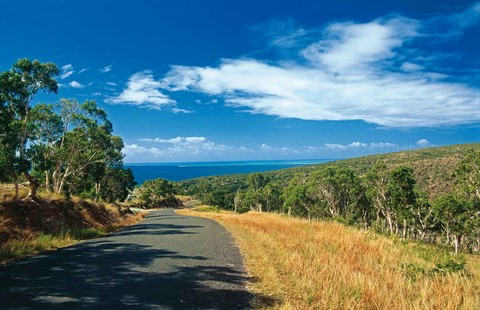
(167, 261)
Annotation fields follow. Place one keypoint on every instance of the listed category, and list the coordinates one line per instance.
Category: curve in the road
(168, 261)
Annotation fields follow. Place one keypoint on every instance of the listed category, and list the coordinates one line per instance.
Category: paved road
(168, 261)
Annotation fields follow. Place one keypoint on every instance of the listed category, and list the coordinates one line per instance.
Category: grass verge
(326, 265)
(30, 227)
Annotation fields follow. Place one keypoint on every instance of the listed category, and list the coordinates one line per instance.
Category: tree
(467, 175)
(18, 87)
(339, 188)
(452, 213)
(153, 193)
(87, 148)
(296, 200)
(46, 132)
(402, 195)
(116, 184)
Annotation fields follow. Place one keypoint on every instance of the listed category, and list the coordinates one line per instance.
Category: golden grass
(325, 265)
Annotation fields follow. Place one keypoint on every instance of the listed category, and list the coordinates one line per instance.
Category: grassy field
(325, 265)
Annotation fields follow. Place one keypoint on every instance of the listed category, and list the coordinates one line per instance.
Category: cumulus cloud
(76, 84)
(142, 90)
(66, 71)
(135, 149)
(180, 148)
(423, 143)
(353, 71)
(192, 145)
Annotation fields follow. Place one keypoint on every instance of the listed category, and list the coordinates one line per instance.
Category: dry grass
(28, 227)
(325, 265)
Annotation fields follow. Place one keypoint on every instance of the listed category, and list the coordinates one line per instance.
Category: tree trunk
(47, 182)
(15, 181)
(456, 241)
(33, 184)
(97, 191)
(390, 223)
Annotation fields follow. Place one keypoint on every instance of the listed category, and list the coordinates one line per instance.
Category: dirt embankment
(24, 220)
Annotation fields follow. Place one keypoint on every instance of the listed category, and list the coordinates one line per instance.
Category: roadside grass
(15, 249)
(51, 222)
(326, 265)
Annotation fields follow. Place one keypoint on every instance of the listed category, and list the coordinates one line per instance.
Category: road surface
(167, 261)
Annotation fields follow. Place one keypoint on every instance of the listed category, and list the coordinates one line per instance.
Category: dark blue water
(184, 171)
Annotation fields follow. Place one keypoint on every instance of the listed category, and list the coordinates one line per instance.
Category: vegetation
(51, 154)
(66, 148)
(304, 264)
(378, 192)
(157, 193)
(51, 222)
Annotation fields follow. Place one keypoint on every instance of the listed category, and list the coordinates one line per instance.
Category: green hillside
(429, 194)
(433, 170)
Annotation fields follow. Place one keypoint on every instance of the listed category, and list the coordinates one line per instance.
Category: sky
(219, 80)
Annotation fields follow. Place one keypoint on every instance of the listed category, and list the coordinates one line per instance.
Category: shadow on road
(159, 229)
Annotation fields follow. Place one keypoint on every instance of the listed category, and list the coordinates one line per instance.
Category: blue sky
(239, 80)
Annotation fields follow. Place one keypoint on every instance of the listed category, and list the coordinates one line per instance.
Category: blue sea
(185, 171)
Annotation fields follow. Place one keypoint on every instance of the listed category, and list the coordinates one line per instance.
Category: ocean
(185, 171)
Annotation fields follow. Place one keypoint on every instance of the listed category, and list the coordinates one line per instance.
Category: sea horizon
(180, 171)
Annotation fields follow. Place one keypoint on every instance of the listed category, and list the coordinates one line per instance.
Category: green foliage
(69, 145)
(467, 175)
(18, 87)
(157, 193)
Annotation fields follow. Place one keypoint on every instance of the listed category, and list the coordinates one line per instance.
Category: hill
(430, 194)
(432, 167)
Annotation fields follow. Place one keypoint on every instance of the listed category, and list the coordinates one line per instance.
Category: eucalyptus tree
(86, 145)
(452, 212)
(338, 187)
(403, 197)
(46, 132)
(18, 88)
(378, 185)
(296, 199)
(154, 192)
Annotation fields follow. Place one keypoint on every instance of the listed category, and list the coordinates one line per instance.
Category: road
(167, 261)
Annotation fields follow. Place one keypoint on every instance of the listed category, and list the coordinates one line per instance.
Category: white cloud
(423, 143)
(353, 146)
(265, 147)
(67, 71)
(106, 69)
(354, 71)
(142, 90)
(76, 84)
(183, 111)
(350, 47)
(281, 150)
(180, 148)
(192, 145)
(135, 149)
